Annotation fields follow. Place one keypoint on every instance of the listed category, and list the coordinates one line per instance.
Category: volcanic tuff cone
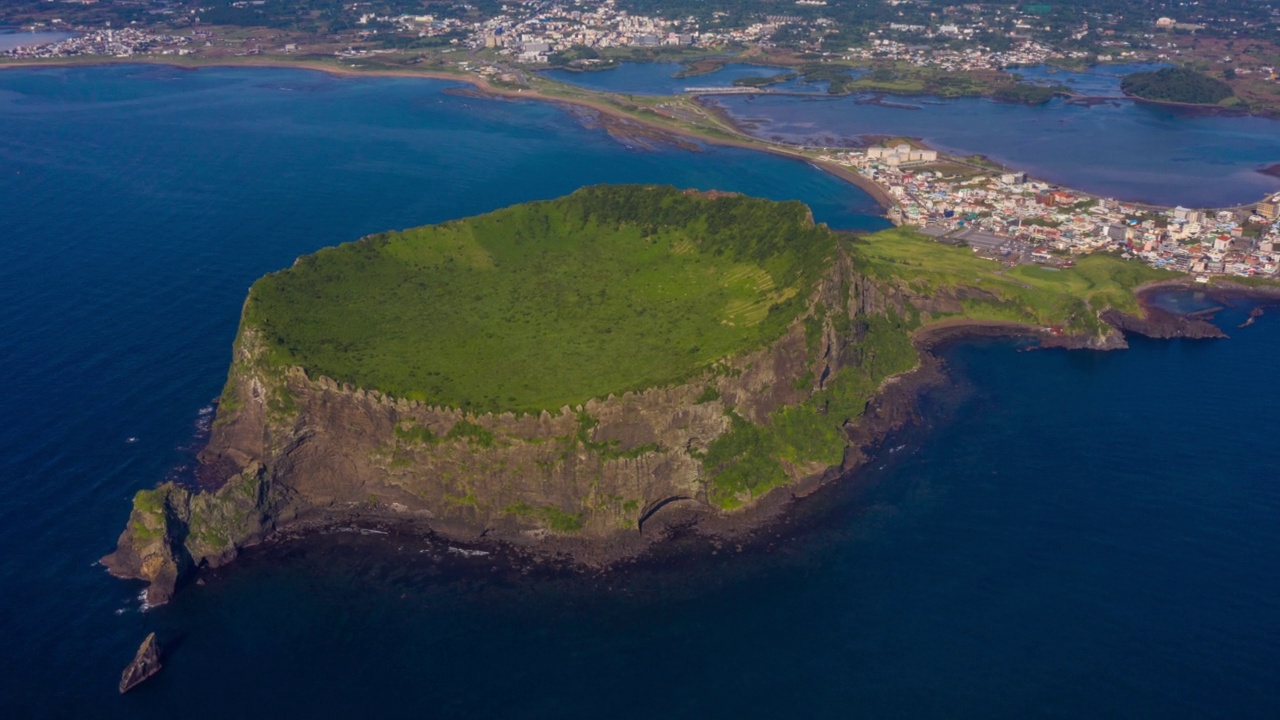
(566, 374)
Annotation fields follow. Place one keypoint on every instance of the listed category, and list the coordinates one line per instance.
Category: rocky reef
(1162, 324)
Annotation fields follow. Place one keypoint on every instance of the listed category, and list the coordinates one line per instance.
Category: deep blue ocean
(1064, 535)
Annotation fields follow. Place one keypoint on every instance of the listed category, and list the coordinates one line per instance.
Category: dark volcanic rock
(173, 531)
(1162, 324)
(145, 664)
(1254, 314)
(1111, 339)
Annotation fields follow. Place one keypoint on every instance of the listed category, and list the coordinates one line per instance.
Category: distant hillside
(1180, 85)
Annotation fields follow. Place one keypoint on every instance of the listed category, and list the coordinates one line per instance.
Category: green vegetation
(1181, 85)
(1028, 94)
(613, 452)
(904, 79)
(1042, 222)
(751, 459)
(838, 76)
(608, 449)
(1069, 297)
(553, 517)
(468, 500)
(613, 288)
(472, 432)
(813, 330)
(415, 433)
(577, 53)
(1247, 281)
(710, 394)
(150, 502)
(759, 82)
(148, 505)
(747, 461)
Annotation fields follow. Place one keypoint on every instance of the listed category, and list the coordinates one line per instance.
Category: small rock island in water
(575, 375)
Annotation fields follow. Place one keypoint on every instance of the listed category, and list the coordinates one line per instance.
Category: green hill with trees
(1180, 85)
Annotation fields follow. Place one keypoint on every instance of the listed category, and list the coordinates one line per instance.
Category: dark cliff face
(587, 470)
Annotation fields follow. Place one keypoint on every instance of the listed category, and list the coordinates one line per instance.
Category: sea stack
(145, 664)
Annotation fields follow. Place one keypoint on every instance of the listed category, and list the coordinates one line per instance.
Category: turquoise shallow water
(1067, 534)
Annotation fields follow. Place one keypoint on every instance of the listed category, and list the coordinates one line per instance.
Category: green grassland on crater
(612, 288)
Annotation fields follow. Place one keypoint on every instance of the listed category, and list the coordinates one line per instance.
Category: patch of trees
(840, 79)
(1181, 85)
(574, 54)
(759, 82)
(1028, 94)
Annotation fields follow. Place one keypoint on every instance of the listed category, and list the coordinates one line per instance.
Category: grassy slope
(748, 461)
(546, 304)
(1069, 297)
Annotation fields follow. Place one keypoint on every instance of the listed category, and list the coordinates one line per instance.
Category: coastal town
(1023, 53)
(953, 38)
(122, 43)
(1004, 214)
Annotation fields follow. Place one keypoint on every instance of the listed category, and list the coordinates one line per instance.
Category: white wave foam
(467, 553)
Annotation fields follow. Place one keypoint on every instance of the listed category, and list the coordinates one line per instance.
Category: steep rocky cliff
(286, 446)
